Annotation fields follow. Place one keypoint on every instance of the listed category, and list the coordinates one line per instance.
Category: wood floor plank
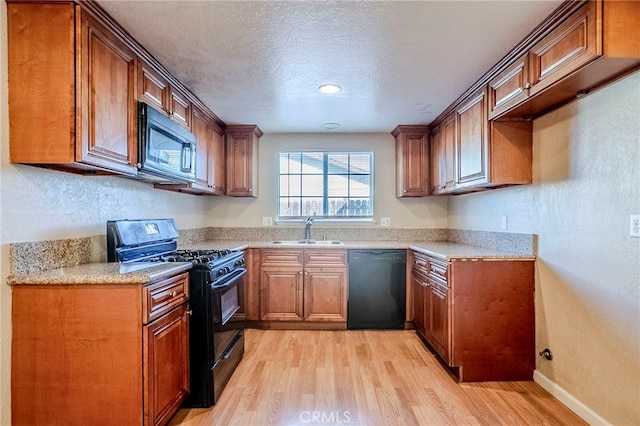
(364, 377)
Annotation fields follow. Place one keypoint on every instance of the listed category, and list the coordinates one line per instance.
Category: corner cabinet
(477, 315)
(471, 153)
(412, 161)
(242, 160)
(303, 286)
(99, 353)
(71, 91)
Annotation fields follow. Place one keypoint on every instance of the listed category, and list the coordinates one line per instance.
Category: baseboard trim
(586, 413)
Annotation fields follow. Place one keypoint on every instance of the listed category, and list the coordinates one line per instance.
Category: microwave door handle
(187, 153)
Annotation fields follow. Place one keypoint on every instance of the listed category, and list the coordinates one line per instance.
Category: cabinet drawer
(328, 257)
(160, 297)
(279, 257)
(420, 263)
(438, 271)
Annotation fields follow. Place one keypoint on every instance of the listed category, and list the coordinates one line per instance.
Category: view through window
(325, 184)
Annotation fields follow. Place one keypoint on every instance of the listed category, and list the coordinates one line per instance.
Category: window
(325, 184)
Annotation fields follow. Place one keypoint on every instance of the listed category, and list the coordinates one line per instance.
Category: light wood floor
(364, 378)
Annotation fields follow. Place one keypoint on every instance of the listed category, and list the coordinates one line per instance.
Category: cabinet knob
(174, 293)
(527, 85)
(190, 312)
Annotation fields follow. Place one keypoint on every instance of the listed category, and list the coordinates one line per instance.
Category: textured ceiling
(261, 62)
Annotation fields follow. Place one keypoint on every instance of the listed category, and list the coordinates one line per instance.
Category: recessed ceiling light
(329, 89)
(331, 126)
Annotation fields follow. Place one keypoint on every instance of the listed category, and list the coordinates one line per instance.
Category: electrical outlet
(634, 226)
(385, 221)
(267, 221)
(504, 222)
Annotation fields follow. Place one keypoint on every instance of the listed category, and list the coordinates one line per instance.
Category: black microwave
(166, 150)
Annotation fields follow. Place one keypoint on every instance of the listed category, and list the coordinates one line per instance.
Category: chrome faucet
(307, 228)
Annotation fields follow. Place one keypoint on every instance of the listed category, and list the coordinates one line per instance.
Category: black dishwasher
(377, 289)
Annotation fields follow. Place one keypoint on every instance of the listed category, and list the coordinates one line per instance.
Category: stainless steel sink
(306, 242)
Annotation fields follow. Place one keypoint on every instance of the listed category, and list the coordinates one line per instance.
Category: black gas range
(216, 339)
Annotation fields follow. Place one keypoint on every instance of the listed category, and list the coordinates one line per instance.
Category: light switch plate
(267, 221)
(634, 226)
(385, 221)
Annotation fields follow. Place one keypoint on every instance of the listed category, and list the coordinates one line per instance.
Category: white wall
(404, 213)
(38, 204)
(586, 184)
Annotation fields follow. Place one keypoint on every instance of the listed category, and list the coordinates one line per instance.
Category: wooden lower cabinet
(438, 321)
(281, 293)
(109, 354)
(308, 286)
(477, 315)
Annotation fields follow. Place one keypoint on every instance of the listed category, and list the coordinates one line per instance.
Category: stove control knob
(239, 262)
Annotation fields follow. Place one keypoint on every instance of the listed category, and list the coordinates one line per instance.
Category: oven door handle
(229, 280)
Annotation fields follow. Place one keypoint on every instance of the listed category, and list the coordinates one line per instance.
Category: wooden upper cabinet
(46, 82)
(180, 107)
(509, 88)
(153, 88)
(443, 160)
(217, 166)
(412, 161)
(107, 96)
(202, 128)
(472, 139)
(242, 160)
(471, 153)
(589, 47)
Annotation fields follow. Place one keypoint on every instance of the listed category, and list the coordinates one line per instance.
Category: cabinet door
(281, 293)
(166, 365)
(447, 160)
(242, 161)
(438, 334)
(510, 88)
(472, 139)
(107, 96)
(565, 49)
(217, 163)
(202, 128)
(180, 107)
(412, 161)
(153, 89)
(437, 149)
(325, 294)
(419, 288)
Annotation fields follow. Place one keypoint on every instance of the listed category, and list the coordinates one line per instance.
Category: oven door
(225, 297)
(225, 301)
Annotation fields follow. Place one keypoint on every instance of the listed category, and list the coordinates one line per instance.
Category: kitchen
(584, 189)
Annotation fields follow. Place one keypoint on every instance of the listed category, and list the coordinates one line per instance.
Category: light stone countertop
(145, 272)
(103, 273)
(440, 249)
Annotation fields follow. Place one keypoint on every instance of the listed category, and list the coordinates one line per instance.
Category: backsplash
(329, 233)
(34, 257)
